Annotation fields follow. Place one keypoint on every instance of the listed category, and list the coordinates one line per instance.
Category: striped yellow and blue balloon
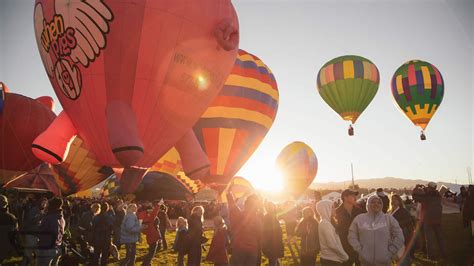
(238, 119)
(298, 165)
(348, 84)
(418, 90)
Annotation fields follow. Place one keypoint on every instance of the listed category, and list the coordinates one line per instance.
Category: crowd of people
(377, 231)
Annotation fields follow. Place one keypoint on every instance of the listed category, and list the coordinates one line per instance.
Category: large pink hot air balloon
(132, 76)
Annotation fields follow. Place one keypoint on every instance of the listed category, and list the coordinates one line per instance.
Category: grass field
(459, 249)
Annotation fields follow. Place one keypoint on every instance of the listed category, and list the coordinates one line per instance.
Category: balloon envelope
(21, 121)
(41, 177)
(81, 170)
(298, 165)
(134, 76)
(348, 84)
(238, 119)
(418, 90)
(155, 185)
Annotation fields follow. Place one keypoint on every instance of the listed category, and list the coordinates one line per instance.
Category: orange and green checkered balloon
(348, 84)
(418, 89)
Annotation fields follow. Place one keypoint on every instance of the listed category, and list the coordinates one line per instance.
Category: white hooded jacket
(331, 247)
(376, 237)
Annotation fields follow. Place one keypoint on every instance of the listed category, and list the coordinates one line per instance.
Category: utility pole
(352, 172)
(469, 176)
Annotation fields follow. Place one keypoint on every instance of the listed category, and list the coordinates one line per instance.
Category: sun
(264, 176)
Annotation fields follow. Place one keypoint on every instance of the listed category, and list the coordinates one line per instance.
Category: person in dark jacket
(101, 235)
(404, 219)
(119, 215)
(31, 223)
(195, 238)
(272, 238)
(52, 229)
(384, 198)
(179, 244)
(345, 214)
(8, 225)
(430, 217)
(164, 225)
(220, 242)
(246, 230)
(468, 210)
(307, 230)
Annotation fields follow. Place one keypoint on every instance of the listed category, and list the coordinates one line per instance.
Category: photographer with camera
(430, 217)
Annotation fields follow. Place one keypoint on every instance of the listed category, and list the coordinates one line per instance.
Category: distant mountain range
(386, 182)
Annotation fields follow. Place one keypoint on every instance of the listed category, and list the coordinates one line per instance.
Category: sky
(295, 38)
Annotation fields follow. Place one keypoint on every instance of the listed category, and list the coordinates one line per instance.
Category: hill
(385, 182)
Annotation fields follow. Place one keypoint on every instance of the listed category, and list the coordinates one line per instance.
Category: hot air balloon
(418, 89)
(41, 177)
(132, 76)
(240, 188)
(170, 163)
(235, 123)
(156, 185)
(80, 171)
(298, 165)
(22, 119)
(348, 84)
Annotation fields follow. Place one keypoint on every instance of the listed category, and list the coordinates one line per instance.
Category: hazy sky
(295, 38)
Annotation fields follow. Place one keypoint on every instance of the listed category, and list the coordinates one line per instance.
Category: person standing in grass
(345, 214)
(404, 219)
(272, 239)
(8, 225)
(195, 237)
(468, 211)
(376, 236)
(220, 242)
(246, 230)
(153, 236)
(307, 230)
(130, 234)
(332, 252)
(180, 244)
(101, 235)
(164, 224)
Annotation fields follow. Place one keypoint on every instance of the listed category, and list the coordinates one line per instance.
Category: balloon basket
(350, 131)
(422, 136)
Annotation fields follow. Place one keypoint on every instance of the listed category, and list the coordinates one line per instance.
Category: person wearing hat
(384, 198)
(51, 237)
(345, 214)
(430, 217)
(8, 225)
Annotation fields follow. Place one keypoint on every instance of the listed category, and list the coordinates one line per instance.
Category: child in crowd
(180, 240)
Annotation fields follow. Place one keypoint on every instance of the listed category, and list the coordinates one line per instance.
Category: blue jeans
(47, 257)
(433, 231)
(131, 249)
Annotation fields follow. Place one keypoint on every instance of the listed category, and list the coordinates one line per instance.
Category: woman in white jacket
(332, 252)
